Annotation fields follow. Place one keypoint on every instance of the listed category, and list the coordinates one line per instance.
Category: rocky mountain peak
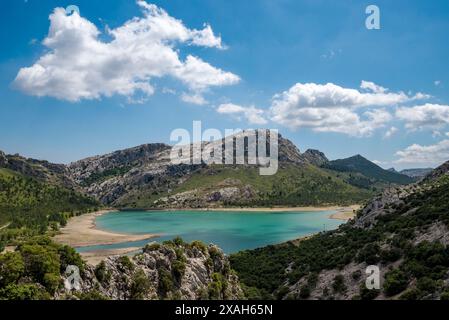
(315, 157)
(439, 172)
(3, 159)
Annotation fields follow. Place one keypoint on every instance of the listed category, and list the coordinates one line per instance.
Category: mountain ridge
(144, 177)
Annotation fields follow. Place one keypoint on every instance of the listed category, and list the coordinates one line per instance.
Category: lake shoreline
(82, 231)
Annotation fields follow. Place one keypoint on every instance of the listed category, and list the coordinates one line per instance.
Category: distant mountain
(417, 173)
(144, 177)
(361, 165)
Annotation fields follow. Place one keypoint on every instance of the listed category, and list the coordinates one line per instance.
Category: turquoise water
(232, 231)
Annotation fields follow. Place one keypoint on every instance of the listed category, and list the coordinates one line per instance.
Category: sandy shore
(266, 209)
(346, 213)
(82, 232)
(343, 213)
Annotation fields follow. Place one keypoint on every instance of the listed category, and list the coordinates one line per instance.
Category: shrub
(339, 284)
(396, 281)
(165, 281)
(356, 275)
(140, 285)
(94, 295)
(154, 246)
(12, 267)
(367, 294)
(24, 292)
(199, 245)
(69, 256)
(101, 272)
(426, 284)
(304, 292)
(40, 260)
(52, 282)
(179, 268)
(412, 294)
(215, 287)
(125, 264)
(178, 241)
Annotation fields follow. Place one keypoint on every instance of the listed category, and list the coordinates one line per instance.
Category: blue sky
(269, 61)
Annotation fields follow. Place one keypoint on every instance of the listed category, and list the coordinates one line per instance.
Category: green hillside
(26, 202)
(368, 170)
(417, 269)
(293, 185)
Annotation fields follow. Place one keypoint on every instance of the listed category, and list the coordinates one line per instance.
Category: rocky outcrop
(3, 159)
(315, 157)
(121, 177)
(417, 173)
(174, 270)
(41, 170)
(226, 192)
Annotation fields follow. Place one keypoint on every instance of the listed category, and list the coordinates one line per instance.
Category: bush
(367, 294)
(12, 267)
(179, 268)
(125, 264)
(339, 284)
(390, 255)
(215, 287)
(426, 284)
(165, 281)
(94, 295)
(396, 281)
(40, 260)
(140, 286)
(24, 292)
(154, 246)
(304, 292)
(69, 256)
(178, 241)
(412, 294)
(356, 275)
(52, 282)
(199, 245)
(102, 273)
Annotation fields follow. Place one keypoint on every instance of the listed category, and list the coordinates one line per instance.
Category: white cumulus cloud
(80, 65)
(431, 155)
(431, 116)
(252, 114)
(332, 108)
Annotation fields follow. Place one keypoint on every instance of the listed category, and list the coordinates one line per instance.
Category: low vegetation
(418, 270)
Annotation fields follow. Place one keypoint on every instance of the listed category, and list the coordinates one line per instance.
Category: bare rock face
(120, 177)
(383, 204)
(40, 170)
(315, 157)
(227, 191)
(3, 159)
(175, 270)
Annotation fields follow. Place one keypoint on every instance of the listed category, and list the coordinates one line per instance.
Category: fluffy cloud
(312, 95)
(79, 65)
(367, 85)
(432, 116)
(425, 155)
(252, 114)
(390, 132)
(332, 108)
